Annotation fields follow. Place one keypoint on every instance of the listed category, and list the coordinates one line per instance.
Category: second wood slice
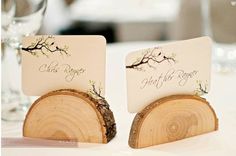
(72, 116)
(172, 118)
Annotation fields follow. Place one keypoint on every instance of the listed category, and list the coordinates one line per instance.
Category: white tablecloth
(222, 97)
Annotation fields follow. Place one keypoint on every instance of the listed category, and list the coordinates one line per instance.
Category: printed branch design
(103, 108)
(201, 89)
(96, 94)
(150, 57)
(44, 46)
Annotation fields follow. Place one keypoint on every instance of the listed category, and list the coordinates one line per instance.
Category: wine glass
(7, 13)
(27, 21)
(219, 19)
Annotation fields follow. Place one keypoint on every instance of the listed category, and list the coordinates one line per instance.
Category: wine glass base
(16, 109)
(224, 67)
(224, 58)
(13, 114)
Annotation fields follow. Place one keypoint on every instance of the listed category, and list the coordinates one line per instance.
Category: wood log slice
(172, 118)
(70, 115)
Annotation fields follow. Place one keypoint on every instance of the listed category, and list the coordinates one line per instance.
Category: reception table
(222, 98)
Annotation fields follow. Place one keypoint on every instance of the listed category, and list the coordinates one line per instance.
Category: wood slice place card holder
(164, 85)
(170, 119)
(71, 106)
(70, 115)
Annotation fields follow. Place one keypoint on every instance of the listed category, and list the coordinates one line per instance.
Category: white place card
(59, 62)
(182, 67)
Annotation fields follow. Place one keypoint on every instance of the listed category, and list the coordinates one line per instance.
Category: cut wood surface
(172, 118)
(70, 115)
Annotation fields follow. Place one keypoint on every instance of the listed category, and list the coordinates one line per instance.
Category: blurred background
(135, 20)
(142, 20)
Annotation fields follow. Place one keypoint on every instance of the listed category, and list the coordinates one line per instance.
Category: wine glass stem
(16, 103)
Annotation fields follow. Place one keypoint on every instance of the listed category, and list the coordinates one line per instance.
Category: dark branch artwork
(202, 88)
(96, 94)
(45, 46)
(151, 57)
(104, 108)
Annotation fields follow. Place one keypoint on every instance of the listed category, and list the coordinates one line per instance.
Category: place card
(182, 67)
(63, 62)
